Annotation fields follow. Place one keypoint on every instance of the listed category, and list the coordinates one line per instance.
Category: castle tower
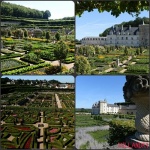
(103, 107)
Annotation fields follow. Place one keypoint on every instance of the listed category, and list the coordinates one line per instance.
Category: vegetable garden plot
(10, 64)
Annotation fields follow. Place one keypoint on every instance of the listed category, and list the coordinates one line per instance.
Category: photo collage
(75, 75)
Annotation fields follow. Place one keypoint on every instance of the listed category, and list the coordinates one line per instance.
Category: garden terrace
(115, 60)
(35, 51)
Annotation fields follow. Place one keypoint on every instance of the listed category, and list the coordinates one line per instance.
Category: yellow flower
(100, 56)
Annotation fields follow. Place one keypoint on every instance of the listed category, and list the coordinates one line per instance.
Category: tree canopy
(9, 9)
(116, 7)
(82, 65)
(46, 14)
(61, 51)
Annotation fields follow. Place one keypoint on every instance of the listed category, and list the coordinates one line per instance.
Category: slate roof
(118, 29)
(111, 105)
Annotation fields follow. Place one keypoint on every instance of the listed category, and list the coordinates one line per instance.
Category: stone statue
(136, 89)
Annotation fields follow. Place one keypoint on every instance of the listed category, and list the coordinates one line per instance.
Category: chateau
(120, 35)
(101, 107)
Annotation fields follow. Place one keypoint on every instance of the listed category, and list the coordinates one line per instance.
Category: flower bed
(52, 138)
(27, 144)
(53, 130)
(24, 128)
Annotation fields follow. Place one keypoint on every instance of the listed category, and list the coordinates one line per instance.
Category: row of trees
(20, 33)
(9, 9)
(22, 81)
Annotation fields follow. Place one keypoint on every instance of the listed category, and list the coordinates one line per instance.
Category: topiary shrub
(119, 130)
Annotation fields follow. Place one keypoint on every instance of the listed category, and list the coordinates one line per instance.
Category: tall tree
(82, 65)
(57, 36)
(9, 33)
(25, 33)
(46, 14)
(61, 52)
(47, 35)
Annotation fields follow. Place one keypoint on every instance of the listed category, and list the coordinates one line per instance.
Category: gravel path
(122, 71)
(82, 137)
(56, 63)
(45, 125)
(58, 101)
(108, 70)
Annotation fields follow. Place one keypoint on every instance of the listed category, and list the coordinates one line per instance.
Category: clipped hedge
(119, 130)
(11, 55)
(25, 69)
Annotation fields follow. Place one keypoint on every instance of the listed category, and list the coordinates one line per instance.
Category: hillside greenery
(134, 23)
(15, 10)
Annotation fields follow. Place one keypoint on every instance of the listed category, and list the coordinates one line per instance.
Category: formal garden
(112, 60)
(20, 56)
(34, 120)
(31, 43)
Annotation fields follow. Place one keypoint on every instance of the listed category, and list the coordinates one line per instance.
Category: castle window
(126, 38)
(122, 38)
(131, 38)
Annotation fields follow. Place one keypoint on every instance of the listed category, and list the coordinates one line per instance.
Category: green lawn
(100, 135)
(87, 120)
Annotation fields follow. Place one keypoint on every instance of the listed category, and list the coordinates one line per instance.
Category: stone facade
(120, 35)
(101, 107)
(94, 40)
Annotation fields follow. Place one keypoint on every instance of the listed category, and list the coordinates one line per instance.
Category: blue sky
(90, 89)
(62, 78)
(94, 23)
(58, 9)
